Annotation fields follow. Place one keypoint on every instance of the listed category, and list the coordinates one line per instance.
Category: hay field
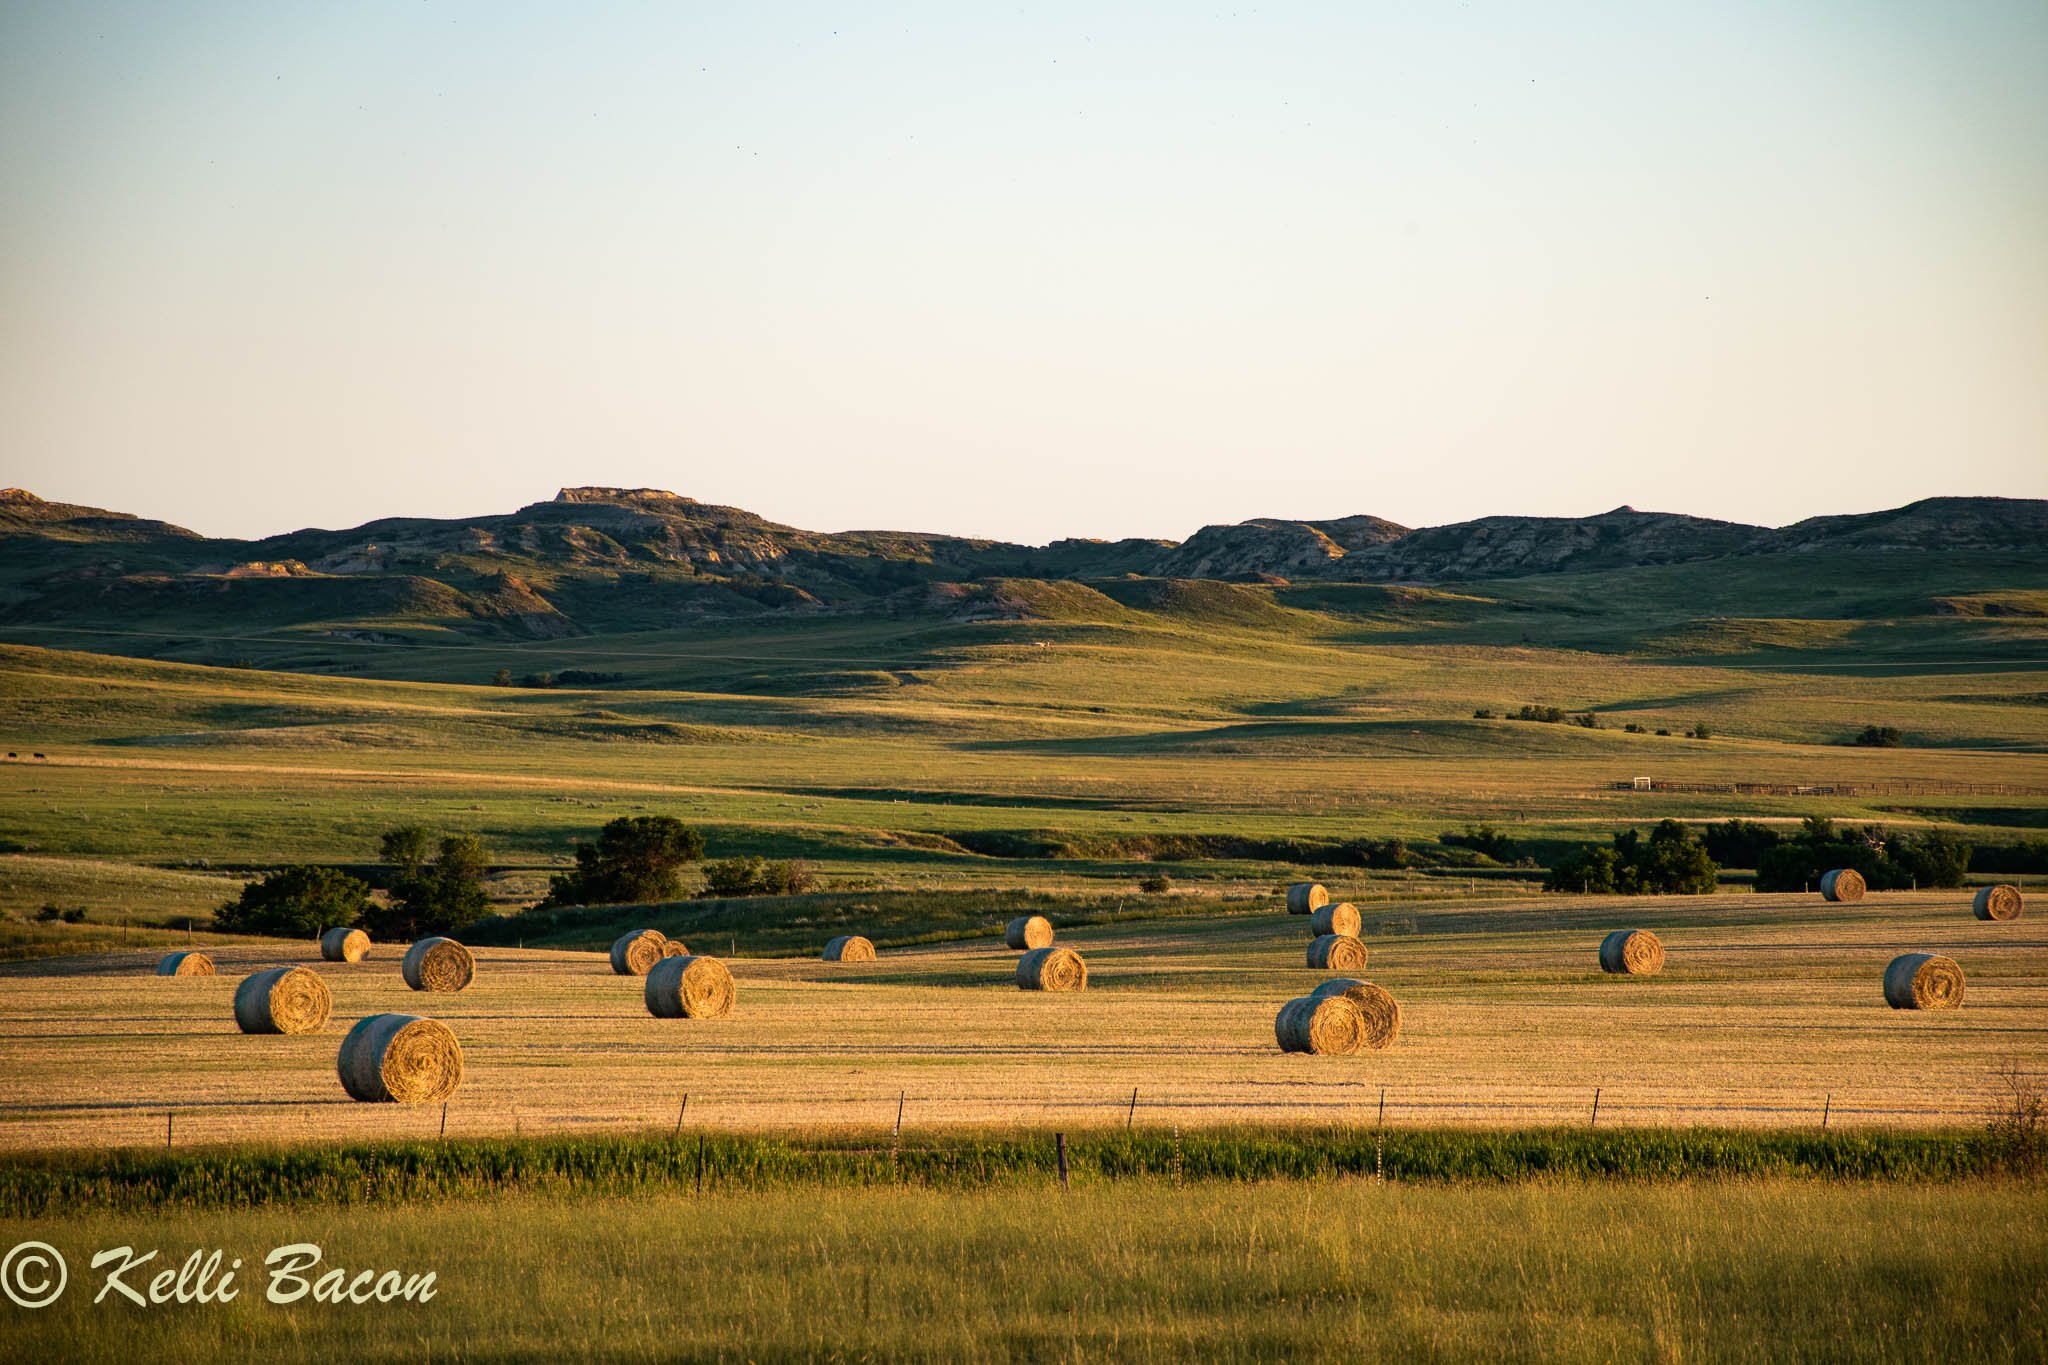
(1767, 1006)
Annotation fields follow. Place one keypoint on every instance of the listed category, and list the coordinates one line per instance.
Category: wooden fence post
(1060, 1147)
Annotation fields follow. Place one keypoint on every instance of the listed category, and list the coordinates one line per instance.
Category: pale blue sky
(1023, 272)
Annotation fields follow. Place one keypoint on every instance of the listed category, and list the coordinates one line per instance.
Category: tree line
(434, 882)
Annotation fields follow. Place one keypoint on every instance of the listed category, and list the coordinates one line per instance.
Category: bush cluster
(758, 877)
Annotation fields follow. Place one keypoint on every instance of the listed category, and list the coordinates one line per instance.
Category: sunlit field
(1138, 1270)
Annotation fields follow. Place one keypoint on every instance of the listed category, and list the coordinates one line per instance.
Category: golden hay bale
(1332, 1026)
(849, 948)
(1338, 917)
(400, 1059)
(185, 964)
(1052, 969)
(690, 988)
(344, 945)
(1923, 981)
(1337, 953)
(283, 1000)
(1843, 884)
(633, 954)
(1028, 931)
(674, 947)
(1631, 952)
(2001, 902)
(437, 964)
(1381, 1012)
(1305, 898)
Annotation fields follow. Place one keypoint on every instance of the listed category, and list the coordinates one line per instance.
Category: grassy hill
(948, 725)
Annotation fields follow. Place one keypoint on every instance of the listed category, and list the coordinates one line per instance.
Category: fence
(1895, 788)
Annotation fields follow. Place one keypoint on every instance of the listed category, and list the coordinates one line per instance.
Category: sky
(1023, 271)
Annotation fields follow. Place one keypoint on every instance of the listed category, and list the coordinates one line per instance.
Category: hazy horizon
(1019, 276)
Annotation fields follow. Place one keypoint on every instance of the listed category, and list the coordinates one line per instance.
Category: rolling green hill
(914, 712)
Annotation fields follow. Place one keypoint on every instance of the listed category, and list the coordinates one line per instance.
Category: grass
(631, 1165)
(1555, 1270)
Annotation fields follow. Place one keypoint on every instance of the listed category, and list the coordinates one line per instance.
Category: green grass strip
(392, 1172)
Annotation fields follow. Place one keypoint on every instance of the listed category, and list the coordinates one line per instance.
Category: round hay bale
(849, 948)
(1923, 981)
(185, 964)
(399, 1059)
(674, 947)
(1330, 1026)
(1381, 1012)
(633, 954)
(2001, 902)
(1338, 917)
(689, 988)
(1337, 953)
(1305, 898)
(1844, 884)
(283, 1000)
(1028, 931)
(1052, 969)
(1631, 952)
(344, 945)
(437, 964)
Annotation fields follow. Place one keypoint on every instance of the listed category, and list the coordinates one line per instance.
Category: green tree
(436, 895)
(1588, 871)
(636, 858)
(406, 849)
(295, 902)
(1738, 843)
(1672, 861)
(1935, 859)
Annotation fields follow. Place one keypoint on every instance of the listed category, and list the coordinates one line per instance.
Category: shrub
(1635, 727)
(635, 858)
(1485, 713)
(502, 678)
(1702, 731)
(1880, 737)
(1380, 853)
(1586, 720)
(49, 914)
(75, 915)
(757, 877)
(1549, 715)
(1483, 839)
(295, 902)
(1156, 884)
